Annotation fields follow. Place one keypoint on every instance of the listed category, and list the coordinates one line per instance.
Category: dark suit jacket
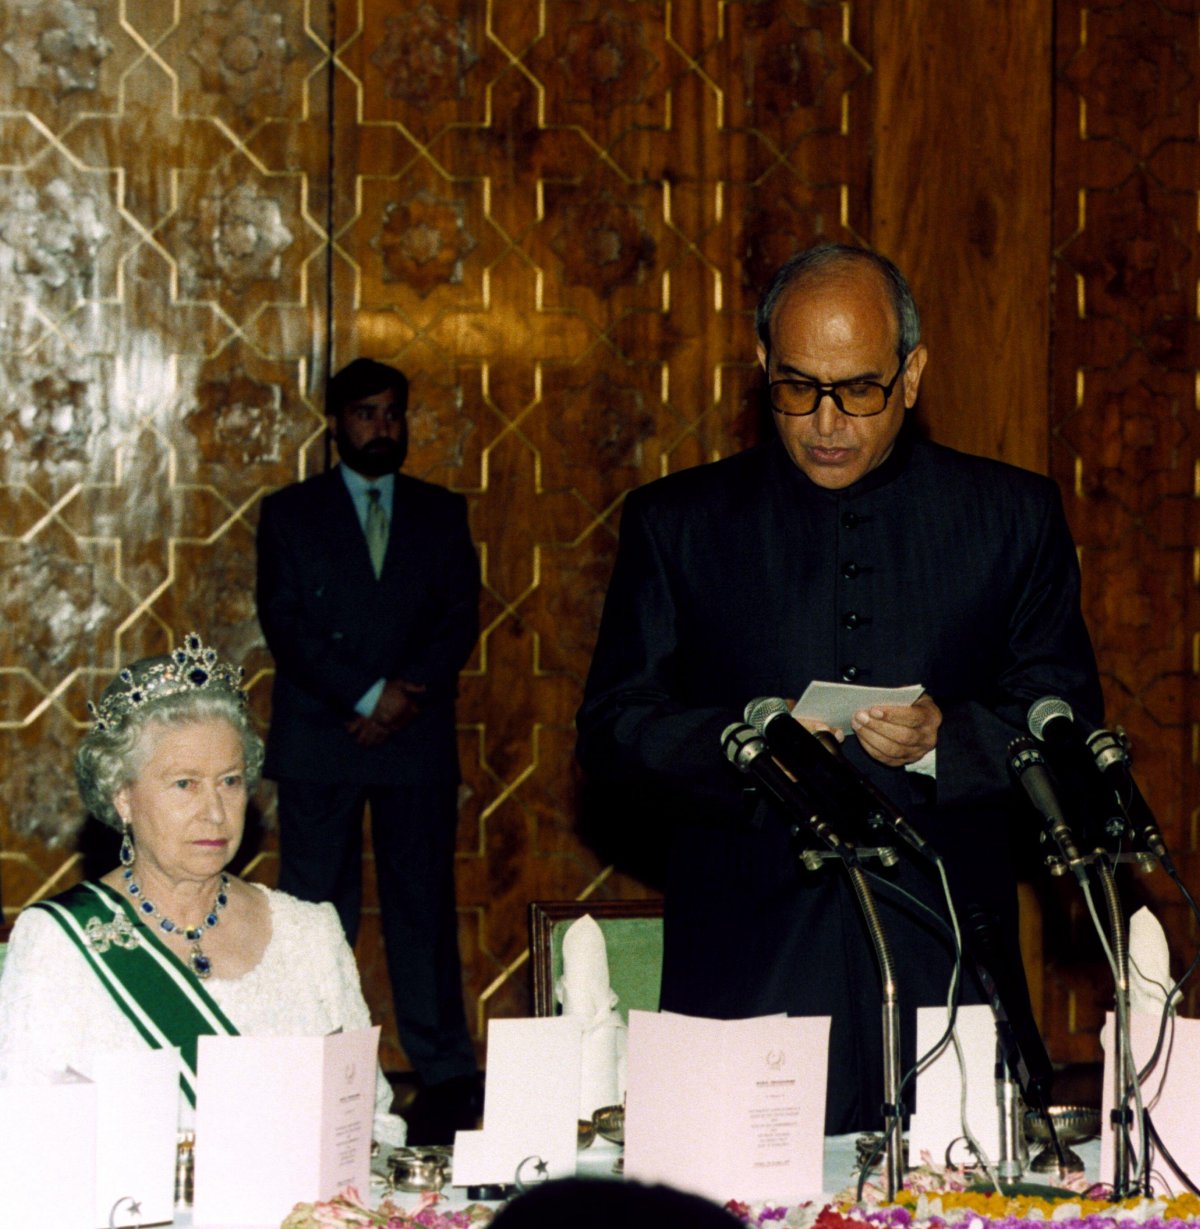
(334, 628)
(743, 579)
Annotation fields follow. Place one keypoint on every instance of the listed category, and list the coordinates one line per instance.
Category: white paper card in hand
(836, 703)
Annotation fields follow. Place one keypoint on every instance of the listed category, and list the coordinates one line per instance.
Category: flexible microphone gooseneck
(1053, 723)
(818, 758)
(746, 751)
(1029, 767)
(1112, 759)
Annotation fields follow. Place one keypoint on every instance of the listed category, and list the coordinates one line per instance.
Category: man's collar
(887, 471)
(357, 484)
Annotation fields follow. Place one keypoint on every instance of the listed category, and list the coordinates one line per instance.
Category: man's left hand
(898, 734)
(367, 732)
(398, 704)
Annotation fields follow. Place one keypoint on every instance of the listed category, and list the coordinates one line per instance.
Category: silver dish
(610, 1123)
(418, 1170)
(1073, 1123)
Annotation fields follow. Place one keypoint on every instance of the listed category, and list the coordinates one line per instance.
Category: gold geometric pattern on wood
(555, 218)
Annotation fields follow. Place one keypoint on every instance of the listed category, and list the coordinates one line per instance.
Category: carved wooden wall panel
(164, 263)
(556, 217)
(964, 208)
(1124, 443)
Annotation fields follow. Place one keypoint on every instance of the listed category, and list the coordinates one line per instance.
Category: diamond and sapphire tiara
(191, 667)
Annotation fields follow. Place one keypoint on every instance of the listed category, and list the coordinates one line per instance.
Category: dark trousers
(413, 830)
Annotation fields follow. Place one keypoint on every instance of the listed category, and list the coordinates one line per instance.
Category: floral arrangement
(919, 1206)
(347, 1211)
(939, 1198)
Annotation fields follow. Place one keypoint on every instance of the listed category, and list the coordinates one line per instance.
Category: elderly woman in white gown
(167, 945)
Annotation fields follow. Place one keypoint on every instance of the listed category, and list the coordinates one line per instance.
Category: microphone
(747, 752)
(1029, 767)
(1051, 720)
(1109, 749)
(1003, 977)
(801, 756)
(819, 757)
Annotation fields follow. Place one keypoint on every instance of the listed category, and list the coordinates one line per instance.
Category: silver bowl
(610, 1123)
(417, 1170)
(1073, 1123)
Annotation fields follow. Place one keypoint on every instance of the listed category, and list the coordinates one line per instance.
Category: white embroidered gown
(55, 1013)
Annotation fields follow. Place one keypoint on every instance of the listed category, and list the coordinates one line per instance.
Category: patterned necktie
(376, 530)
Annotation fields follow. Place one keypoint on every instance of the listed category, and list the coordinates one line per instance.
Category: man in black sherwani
(842, 549)
(368, 595)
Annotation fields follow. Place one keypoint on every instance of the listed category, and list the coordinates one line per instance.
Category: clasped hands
(893, 734)
(396, 708)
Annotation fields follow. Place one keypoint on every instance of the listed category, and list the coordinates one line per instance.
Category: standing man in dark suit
(368, 595)
(845, 548)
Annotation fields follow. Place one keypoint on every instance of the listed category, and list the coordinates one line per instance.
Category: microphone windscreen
(737, 739)
(1043, 711)
(759, 711)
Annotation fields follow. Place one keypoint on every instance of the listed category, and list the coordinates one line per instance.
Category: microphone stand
(1121, 1114)
(745, 748)
(1010, 1165)
(1026, 758)
(893, 1126)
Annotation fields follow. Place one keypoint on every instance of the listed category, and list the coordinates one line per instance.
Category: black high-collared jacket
(741, 579)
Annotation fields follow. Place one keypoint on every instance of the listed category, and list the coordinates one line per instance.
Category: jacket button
(850, 620)
(849, 520)
(850, 674)
(849, 570)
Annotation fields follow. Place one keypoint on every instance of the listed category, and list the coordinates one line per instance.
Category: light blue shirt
(358, 486)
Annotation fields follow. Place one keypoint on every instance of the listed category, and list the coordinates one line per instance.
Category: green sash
(162, 998)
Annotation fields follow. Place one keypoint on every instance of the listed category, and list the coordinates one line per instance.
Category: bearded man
(368, 595)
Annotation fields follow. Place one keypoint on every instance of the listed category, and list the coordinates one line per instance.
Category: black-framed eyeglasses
(855, 398)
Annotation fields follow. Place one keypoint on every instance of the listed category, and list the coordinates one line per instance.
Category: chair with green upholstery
(632, 932)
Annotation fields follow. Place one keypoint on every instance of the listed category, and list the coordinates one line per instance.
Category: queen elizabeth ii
(168, 945)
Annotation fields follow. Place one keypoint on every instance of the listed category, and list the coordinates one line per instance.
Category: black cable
(1160, 1039)
(896, 890)
(1166, 1156)
(1176, 989)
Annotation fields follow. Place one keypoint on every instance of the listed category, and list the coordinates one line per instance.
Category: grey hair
(108, 760)
(816, 260)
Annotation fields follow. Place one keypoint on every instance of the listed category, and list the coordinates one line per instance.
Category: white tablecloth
(598, 1160)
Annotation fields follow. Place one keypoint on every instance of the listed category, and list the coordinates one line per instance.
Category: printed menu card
(137, 1116)
(937, 1120)
(281, 1120)
(530, 1104)
(1168, 1093)
(48, 1135)
(730, 1109)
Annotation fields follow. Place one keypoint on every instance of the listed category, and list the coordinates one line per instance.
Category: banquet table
(598, 1161)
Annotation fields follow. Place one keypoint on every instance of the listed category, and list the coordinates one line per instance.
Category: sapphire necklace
(200, 964)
